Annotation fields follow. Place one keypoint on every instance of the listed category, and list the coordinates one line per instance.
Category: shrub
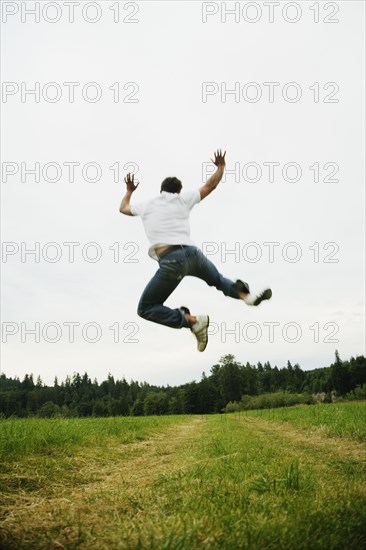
(269, 401)
(358, 393)
(49, 409)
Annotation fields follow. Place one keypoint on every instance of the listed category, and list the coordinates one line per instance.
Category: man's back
(166, 218)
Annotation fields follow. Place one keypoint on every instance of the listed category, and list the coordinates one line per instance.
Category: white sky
(170, 131)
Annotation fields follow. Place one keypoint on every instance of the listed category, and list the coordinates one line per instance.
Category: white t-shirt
(166, 218)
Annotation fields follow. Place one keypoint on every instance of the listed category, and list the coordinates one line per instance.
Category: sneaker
(242, 287)
(200, 330)
(265, 295)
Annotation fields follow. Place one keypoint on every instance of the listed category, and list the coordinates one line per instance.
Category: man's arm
(131, 187)
(215, 179)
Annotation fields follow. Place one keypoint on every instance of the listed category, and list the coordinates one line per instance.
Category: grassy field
(339, 419)
(285, 479)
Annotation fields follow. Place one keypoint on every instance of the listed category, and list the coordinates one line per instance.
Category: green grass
(336, 419)
(230, 482)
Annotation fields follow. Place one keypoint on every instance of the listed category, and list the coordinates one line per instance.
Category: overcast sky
(160, 104)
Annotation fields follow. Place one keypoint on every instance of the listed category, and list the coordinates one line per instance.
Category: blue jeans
(188, 260)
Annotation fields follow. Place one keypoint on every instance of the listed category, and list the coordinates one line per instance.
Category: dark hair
(171, 185)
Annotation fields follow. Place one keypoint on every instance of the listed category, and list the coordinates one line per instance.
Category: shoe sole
(208, 323)
(267, 295)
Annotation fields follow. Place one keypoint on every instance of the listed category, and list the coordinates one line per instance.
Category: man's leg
(204, 269)
(166, 279)
(151, 305)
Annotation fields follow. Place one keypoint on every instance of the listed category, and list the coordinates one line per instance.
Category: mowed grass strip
(218, 482)
(31, 435)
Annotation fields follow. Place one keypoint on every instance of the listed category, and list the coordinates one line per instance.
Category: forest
(229, 386)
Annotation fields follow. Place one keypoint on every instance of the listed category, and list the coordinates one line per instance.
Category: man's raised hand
(129, 181)
(219, 158)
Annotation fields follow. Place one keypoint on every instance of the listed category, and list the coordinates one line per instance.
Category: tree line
(229, 382)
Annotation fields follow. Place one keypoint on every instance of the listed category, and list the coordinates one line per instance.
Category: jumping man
(166, 223)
